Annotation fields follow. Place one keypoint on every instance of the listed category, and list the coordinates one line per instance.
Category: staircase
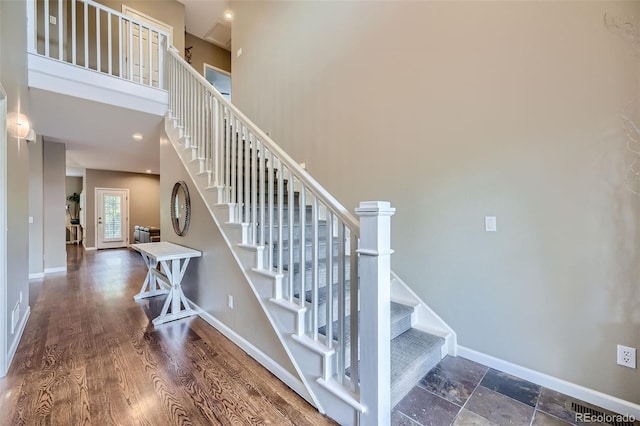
(321, 276)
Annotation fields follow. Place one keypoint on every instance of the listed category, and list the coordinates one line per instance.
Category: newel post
(375, 305)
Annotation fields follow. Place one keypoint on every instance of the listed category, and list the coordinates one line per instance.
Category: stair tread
(398, 312)
(413, 354)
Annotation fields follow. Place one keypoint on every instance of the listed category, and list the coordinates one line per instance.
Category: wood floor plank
(91, 356)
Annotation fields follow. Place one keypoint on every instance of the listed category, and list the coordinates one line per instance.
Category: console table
(174, 260)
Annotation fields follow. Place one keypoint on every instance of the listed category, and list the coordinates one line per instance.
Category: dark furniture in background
(146, 234)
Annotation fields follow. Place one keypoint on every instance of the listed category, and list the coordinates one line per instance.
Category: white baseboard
(285, 376)
(16, 341)
(36, 275)
(54, 270)
(90, 249)
(591, 396)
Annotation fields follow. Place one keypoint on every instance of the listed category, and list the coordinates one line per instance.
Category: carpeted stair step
(297, 230)
(400, 323)
(322, 301)
(413, 354)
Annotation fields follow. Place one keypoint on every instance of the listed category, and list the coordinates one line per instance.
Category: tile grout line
(470, 395)
(535, 408)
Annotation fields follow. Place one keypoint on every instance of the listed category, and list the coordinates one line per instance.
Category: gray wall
(36, 207)
(13, 75)
(454, 111)
(54, 170)
(144, 199)
(214, 276)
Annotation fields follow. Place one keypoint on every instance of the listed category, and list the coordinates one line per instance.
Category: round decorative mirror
(180, 208)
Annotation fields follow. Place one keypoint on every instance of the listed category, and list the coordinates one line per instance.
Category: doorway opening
(219, 79)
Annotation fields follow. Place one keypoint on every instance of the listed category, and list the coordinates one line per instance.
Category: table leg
(176, 300)
(151, 286)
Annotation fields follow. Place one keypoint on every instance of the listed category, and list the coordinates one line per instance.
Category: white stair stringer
(313, 364)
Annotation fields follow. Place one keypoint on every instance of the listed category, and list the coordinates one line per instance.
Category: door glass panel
(112, 217)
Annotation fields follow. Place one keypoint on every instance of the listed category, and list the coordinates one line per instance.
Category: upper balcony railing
(89, 35)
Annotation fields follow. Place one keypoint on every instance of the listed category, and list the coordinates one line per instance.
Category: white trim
(36, 276)
(55, 270)
(90, 248)
(16, 341)
(4, 310)
(72, 80)
(591, 396)
(265, 360)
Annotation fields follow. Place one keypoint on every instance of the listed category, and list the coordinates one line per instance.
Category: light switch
(53, 20)
(239, 52)
(490, 224)
(30, 219)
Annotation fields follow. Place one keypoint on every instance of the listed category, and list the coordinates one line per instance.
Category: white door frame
(97, 213)
(4, 311)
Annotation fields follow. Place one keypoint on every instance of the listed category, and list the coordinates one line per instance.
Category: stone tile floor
(460, 392)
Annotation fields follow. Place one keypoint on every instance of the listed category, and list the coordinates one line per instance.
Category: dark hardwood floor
(90, 355)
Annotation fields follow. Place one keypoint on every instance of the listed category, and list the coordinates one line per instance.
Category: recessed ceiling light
(148, 171)
(137, 136)
(228, 15)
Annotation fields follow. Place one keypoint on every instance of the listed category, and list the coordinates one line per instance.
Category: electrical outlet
(230, 301)
(53, 20)
(627, 356)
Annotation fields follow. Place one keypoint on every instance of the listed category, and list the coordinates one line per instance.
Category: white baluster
(280, 215)
(246, 141)
(290, 208)
(46, 28)
(140, 72)
(342, 347)
(60, 28)
(74, 59)
(86, 34)
(150, 56)
(109, 44)
(303, 246)
(262, 175)
(254, 189)
(314, 268)
(98, 50)
(120, 36)
(130, 52)
(354, 330)
(329, 273)
(270, 170)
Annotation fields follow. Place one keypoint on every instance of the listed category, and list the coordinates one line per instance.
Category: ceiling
(205, 19)
(101, 137)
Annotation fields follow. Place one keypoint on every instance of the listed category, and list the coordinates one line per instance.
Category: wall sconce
(19, 126)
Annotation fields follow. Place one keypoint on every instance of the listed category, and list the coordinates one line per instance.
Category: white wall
(454, 111)
(13, 65)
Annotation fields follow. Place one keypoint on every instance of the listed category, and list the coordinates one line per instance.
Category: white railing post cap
(375, 208)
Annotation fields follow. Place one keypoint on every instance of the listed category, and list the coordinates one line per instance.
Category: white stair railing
(278, 202)
(95, 37)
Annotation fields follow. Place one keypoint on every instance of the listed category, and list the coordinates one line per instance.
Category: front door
(112, 218)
